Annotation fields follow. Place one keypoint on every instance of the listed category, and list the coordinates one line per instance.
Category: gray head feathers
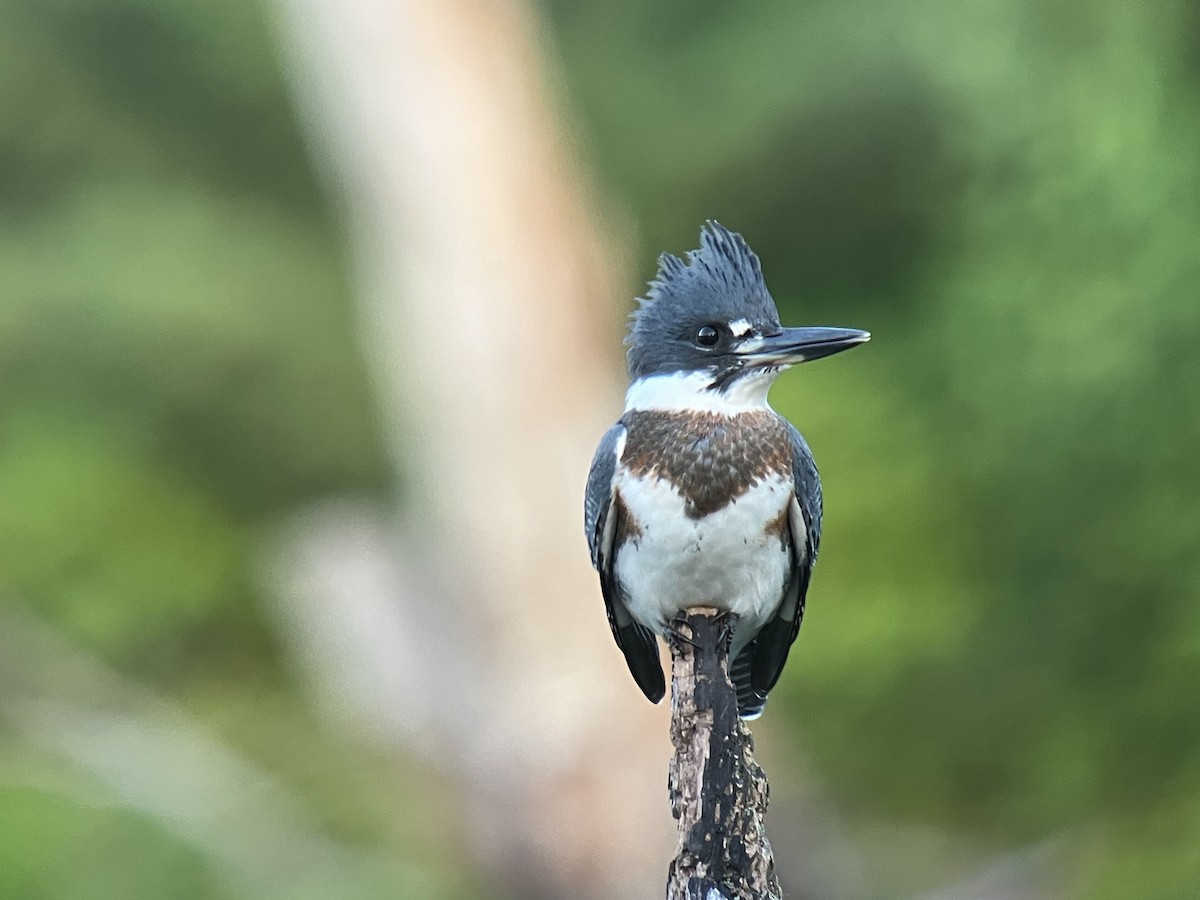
(720, 282)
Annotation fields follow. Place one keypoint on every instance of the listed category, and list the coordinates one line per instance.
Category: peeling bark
(718, 792)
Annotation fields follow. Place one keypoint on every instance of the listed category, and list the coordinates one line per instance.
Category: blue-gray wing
(769, 650)
(599, 495)
(808, 497)
(602, 520)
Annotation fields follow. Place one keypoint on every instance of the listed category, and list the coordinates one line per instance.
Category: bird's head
(708, 333)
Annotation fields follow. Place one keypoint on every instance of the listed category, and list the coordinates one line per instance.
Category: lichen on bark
(718, 791)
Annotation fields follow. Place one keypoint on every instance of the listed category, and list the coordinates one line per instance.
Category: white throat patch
(690, 392)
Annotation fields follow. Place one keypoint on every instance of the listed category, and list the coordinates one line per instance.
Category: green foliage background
(1003, 639)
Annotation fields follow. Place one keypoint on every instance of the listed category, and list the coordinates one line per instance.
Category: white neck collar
(691, 392)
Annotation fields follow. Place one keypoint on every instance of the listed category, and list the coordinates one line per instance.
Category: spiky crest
(721, 281)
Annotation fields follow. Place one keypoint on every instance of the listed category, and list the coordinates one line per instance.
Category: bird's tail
(750, 701)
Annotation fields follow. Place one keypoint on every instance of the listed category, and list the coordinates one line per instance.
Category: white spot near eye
(739, 327)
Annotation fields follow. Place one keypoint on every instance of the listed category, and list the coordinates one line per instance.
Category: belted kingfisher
(701, 494)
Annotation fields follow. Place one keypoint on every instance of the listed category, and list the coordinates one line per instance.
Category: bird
(701, 494)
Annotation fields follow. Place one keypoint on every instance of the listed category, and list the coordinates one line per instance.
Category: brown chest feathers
(711, 458)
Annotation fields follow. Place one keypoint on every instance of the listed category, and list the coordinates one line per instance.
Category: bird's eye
(707, 335)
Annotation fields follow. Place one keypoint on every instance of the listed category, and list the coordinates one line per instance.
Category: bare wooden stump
(718, 792)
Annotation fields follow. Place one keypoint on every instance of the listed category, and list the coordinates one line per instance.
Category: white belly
(724, 560)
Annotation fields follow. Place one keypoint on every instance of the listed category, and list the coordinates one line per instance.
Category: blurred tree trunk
(488, 308)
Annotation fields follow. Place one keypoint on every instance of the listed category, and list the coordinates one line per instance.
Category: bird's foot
(727, 621)
(674, 636)
(724, 620)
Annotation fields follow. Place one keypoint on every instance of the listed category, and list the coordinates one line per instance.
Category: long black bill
(797, 345)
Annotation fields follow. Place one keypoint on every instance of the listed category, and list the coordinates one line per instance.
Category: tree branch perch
(718, 792)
